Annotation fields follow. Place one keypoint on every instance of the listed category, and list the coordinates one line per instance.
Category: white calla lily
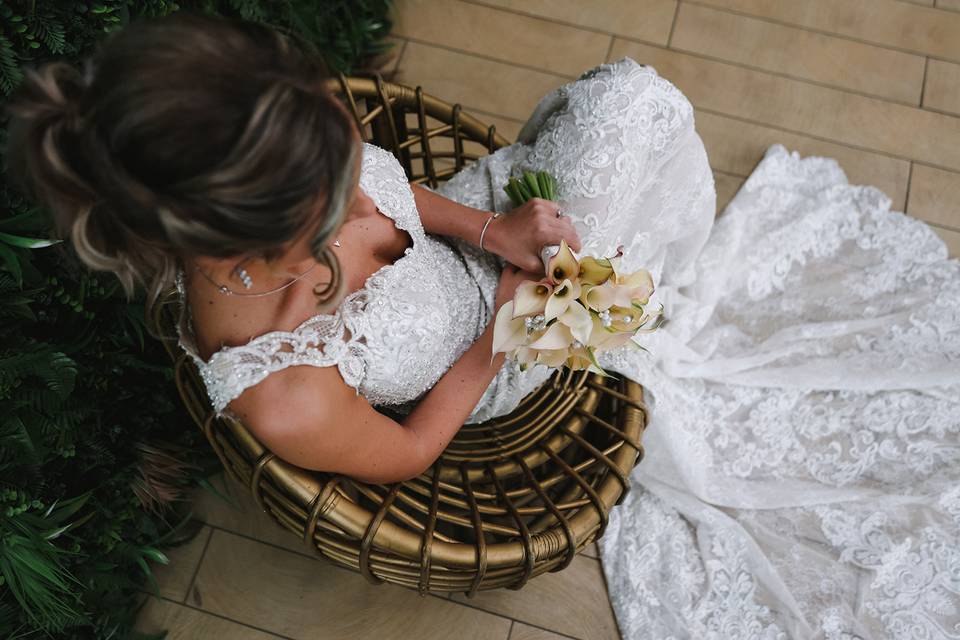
(508, 332)
(601, 297)
(563, 265)
(579, 320)
(557, 336)
(552, 357)
(563, 294)
(594, 270)
(531, 297)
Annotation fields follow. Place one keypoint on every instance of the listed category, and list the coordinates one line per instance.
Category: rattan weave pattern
(508, 499)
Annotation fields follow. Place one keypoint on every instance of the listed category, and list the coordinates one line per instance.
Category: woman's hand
(510, 279)
(519, 234)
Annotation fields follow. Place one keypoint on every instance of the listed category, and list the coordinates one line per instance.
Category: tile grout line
(767, 125)
(701, 3)
(510, 630)
(237, 622)
(529, 624)
(581, 27)
(673, 25)
(702, 56)
(311, 556)
(728, 174)
(488, 58)
(923, 85)
(906, 197)
(513, 621)
(196, 569)
(606, 58)
(779, 74)
(268, 543)
(497, 115)
(954, 114)
(935, 5)
(939, 225)
(813, 136)
(403, 51)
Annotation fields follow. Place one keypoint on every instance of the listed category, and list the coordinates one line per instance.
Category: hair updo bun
(185, 135)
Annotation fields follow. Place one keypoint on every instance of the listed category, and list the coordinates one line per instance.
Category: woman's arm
(309, 417)
(446, 217)
(517, 236)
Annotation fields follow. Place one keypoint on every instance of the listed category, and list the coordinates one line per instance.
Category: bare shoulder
(310, 417)
(283, 400)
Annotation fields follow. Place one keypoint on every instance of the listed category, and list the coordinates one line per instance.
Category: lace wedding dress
(803, 450)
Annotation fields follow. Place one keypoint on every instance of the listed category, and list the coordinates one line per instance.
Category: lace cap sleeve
(385, 181)
(320, 341)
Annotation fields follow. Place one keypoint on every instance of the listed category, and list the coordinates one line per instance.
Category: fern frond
(10, 74)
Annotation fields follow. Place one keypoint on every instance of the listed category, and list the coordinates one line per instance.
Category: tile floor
(244, 577)
(757, 72)
(873, 83)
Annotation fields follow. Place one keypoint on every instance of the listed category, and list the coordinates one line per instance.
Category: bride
(801, 470)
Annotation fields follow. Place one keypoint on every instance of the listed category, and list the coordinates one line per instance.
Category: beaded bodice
(393, 338)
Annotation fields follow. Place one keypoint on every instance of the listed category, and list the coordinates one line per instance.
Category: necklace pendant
(336, 242)
(224, 289)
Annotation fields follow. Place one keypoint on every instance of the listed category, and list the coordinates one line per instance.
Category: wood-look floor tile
(185, 623)
(507, 36)
(798, 106)
(573, 601)
(951, 237)
(935, 196)
(952, 5)
(387, 61)
(889, 23)
(248, 520)
(799, 53)
(942, 90)
(174, 578)
(526, 632)
(493, 87)
(649, 20)
(300, 597)
(727, 186)
(590, 550)
(735, 147)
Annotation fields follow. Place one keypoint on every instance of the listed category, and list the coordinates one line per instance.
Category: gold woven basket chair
(508, 499)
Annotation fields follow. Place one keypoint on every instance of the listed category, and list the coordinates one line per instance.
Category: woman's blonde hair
(186, 135)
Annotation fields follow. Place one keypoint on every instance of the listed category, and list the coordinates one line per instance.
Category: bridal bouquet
(582, 305)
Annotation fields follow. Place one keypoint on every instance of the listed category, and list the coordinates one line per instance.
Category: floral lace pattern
(804, 438)
(803, 450)
(394, 337)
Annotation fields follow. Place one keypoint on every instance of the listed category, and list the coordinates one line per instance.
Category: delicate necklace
(230, 292)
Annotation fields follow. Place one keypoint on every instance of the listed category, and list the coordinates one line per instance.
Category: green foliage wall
(95, 449)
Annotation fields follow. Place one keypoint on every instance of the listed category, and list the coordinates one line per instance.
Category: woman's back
(394, 336)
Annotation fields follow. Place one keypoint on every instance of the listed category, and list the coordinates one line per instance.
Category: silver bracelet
(485, 225)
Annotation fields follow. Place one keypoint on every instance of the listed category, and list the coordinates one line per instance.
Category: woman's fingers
(568, 232)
